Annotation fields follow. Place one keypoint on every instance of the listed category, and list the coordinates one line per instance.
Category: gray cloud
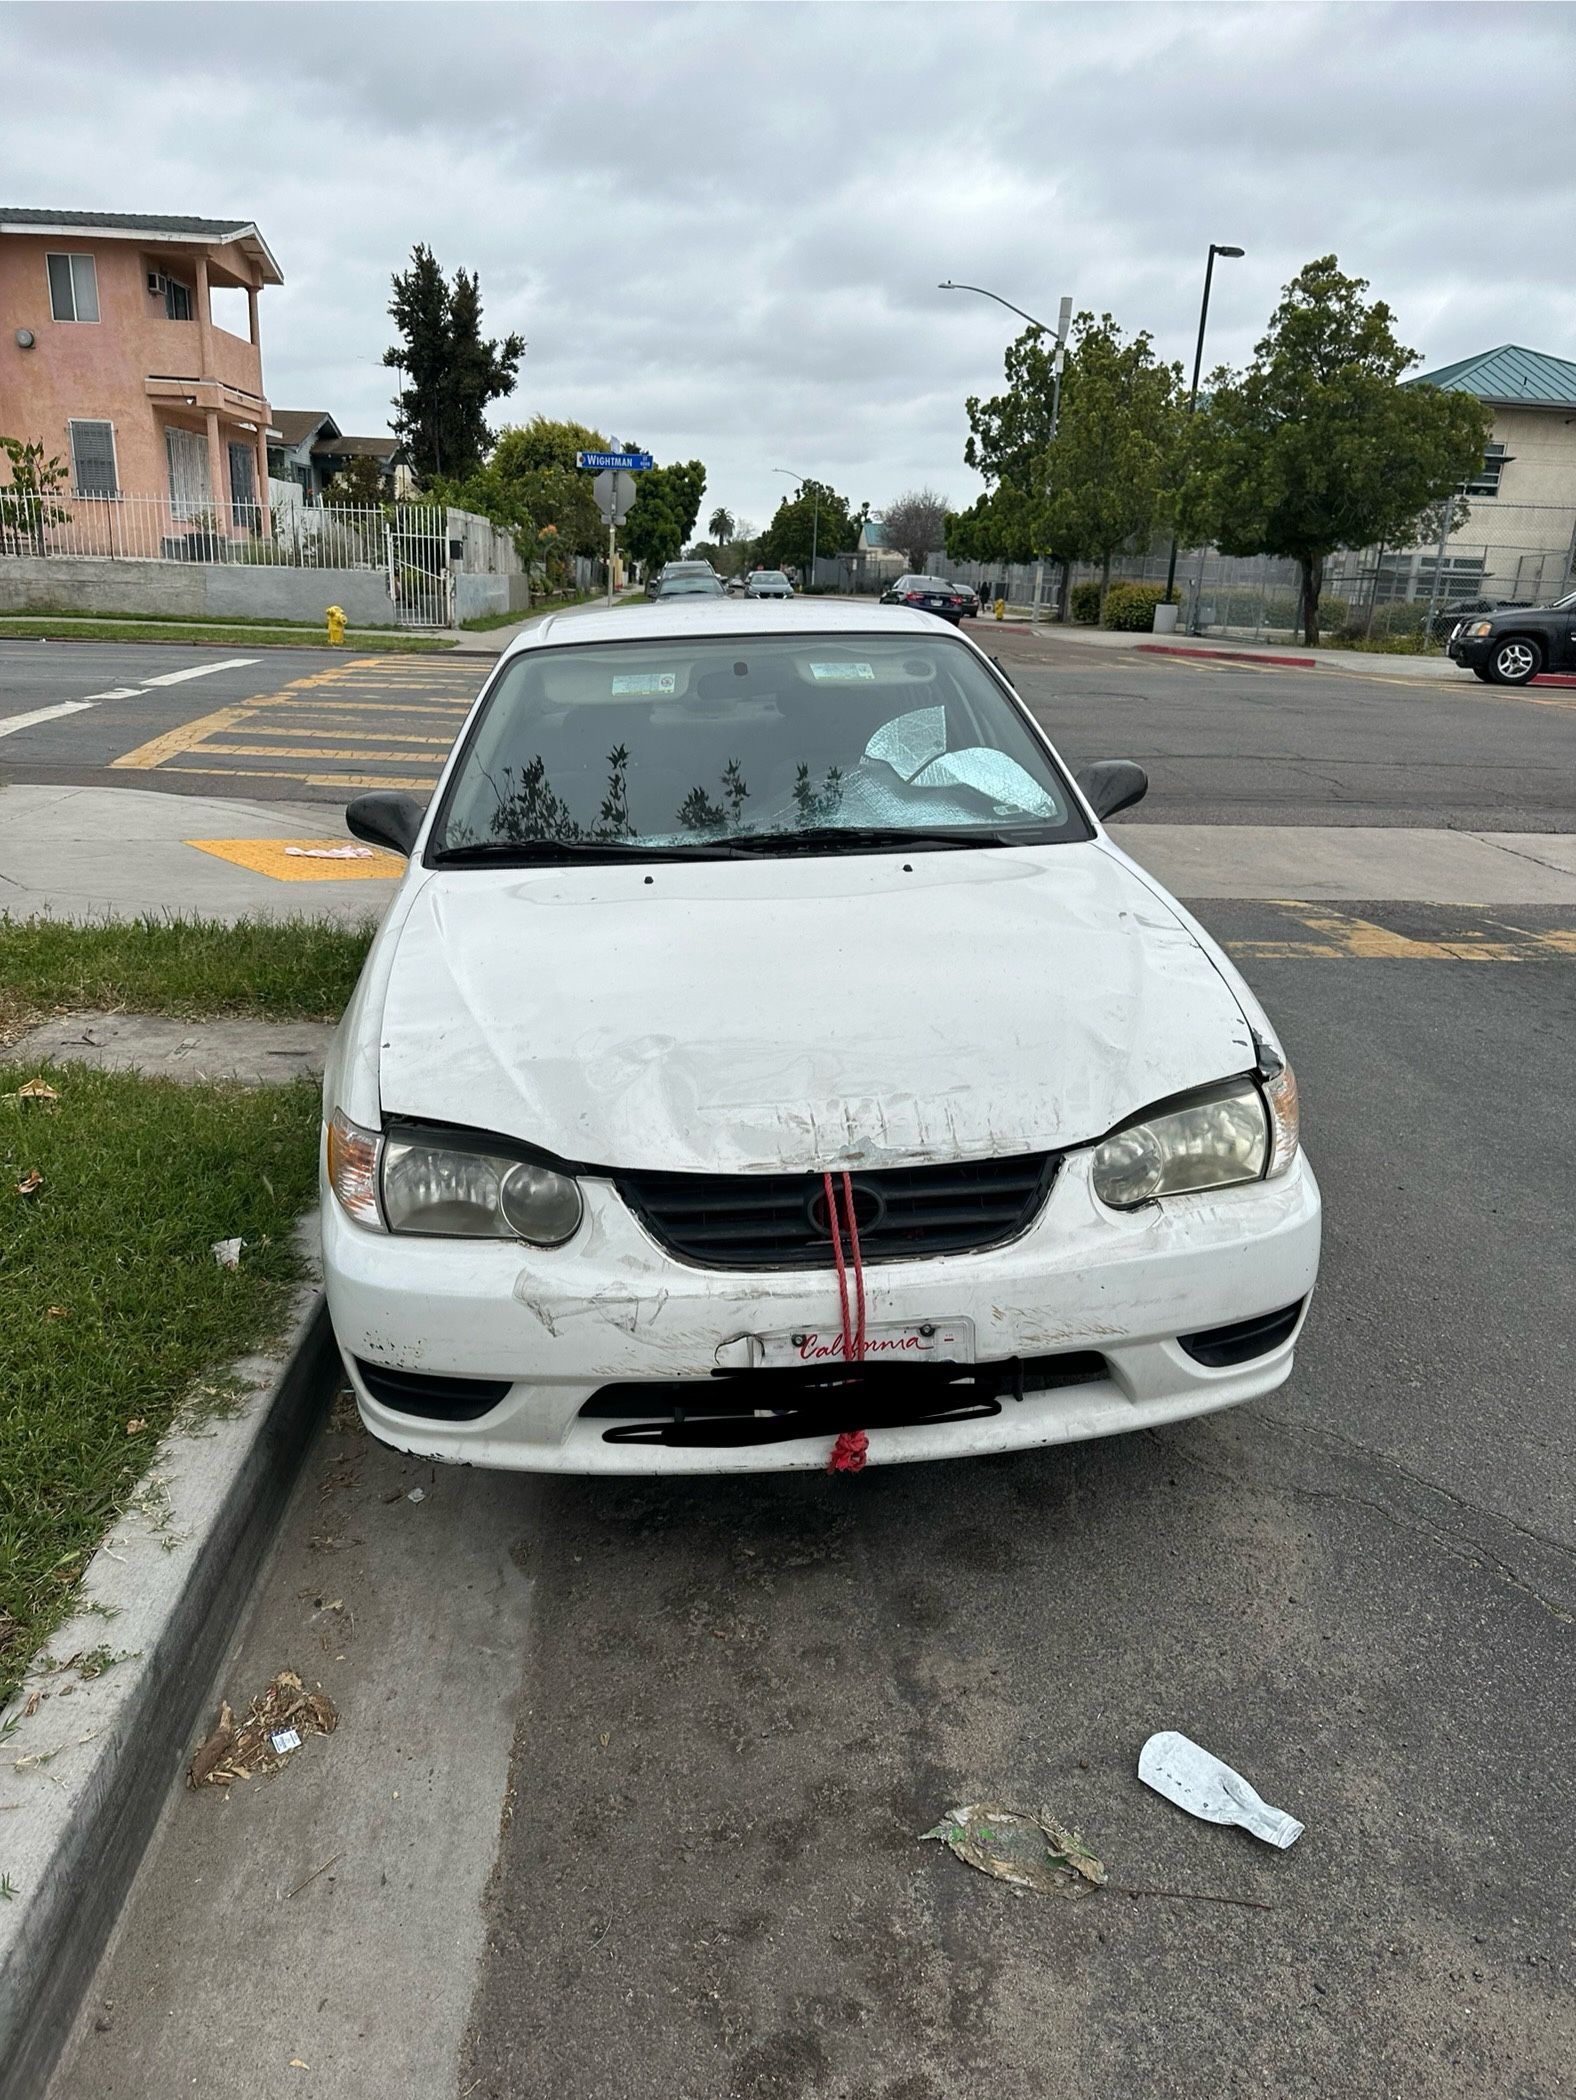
(721, 227)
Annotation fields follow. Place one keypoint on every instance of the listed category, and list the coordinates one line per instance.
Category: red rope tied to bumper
(848, 1453)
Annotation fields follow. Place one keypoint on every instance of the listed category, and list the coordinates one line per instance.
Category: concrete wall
(475, 596)
(199, 590)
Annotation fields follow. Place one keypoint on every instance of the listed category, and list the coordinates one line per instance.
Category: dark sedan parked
(1511, 645)
(932, 594)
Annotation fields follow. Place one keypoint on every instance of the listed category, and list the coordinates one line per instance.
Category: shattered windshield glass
(700, 741)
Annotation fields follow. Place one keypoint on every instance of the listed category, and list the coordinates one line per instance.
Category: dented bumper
(553, 1330)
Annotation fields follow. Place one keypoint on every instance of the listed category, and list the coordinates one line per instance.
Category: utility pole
(1215, 248)
(1063, 319)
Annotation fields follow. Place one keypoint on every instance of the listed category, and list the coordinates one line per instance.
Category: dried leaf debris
(240, 1750)
(1030, 1852)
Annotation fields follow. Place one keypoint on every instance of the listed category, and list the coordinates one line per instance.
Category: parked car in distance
(678, 568)
(707, 586)
(1512, 644)
(971, 599)
(735, 586)
(932, 594)
(768, 583)
(767, 1050)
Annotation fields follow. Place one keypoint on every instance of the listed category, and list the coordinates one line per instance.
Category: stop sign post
(614, 489)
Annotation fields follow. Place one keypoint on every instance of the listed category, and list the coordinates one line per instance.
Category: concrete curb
(1229, 656)
(84, 1783)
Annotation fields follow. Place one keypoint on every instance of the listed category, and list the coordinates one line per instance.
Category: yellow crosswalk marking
(272, 857)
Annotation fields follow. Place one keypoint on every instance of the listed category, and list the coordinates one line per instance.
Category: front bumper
(1472, 652)
(613, 1308)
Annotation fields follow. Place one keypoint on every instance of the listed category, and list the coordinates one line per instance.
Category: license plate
(929, 1341)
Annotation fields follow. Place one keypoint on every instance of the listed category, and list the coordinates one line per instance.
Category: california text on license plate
(929, 1341)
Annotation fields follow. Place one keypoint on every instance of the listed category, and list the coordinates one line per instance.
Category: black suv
(1511, 645)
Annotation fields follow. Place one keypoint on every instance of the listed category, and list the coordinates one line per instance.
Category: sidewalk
(493, 641)
(87, 852)
(1365, 663)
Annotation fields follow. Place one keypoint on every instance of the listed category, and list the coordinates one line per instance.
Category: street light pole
(1215, 248)
(815, 512)
(1058, 361)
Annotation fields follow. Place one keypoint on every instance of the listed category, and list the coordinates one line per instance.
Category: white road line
(11, 723)
(233, 663)
(118, 692)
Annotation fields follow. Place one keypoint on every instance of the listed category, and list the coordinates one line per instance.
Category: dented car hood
(803, 1013)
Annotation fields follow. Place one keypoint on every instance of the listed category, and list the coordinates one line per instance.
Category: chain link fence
(1506, 554)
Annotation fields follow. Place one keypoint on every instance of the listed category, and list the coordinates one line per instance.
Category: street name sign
(615, 462)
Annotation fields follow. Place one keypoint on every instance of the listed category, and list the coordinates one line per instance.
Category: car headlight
(1225, 1135)
(449, 1187)
(1481, 627)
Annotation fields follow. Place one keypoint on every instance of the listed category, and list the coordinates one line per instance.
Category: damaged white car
(769, 1061)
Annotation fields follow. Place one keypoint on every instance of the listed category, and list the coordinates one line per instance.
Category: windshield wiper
(825, 838)
(529, 853)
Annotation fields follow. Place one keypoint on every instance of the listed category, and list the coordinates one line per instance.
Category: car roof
(722, 616)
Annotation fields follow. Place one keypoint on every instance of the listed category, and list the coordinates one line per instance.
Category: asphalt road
(627, 1791)
(1224, 743)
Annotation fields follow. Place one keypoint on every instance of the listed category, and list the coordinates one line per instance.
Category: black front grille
(778, 1221)
(776, 1406)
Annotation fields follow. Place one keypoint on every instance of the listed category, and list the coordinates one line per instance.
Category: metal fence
(1506, 554)
(417, 547)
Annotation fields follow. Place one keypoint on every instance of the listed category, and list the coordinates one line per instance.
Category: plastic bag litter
(1197, 1780)
(329, 852)
(227, 1253)
(1030, 1852)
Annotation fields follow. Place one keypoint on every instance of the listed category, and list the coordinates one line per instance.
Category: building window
(1486, 481)
(93, 459)
(177, 300)
(73, 287)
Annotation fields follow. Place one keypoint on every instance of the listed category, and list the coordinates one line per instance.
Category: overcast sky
(721, 227)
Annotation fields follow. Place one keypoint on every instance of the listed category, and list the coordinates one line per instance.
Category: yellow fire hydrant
(335, 616)
(1001, 608)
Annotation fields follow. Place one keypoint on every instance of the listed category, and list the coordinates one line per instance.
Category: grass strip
(206, 633)
(113, 1309)
(278, 969)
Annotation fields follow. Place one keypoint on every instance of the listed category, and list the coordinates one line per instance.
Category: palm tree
(720, 526)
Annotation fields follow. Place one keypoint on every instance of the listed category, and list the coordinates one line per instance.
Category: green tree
(532, 487)
(814, 515)
(1009, 437)
(720, 526)
(358, 483)
(662, 516)
(450, 373)
(1110, 472)
(1319, 444)
(26, 505)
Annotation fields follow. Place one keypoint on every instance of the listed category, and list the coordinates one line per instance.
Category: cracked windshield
(696, 744)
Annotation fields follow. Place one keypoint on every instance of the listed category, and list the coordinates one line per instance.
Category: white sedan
(768, 1060)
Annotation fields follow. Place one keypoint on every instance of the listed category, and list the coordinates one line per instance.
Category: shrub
(1084, 603)
(1130, 607)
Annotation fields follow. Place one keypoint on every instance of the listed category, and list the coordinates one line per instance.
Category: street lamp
(815, 513)
(1215, 248)
(1063, 318)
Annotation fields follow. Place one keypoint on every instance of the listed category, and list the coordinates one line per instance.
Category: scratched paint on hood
(762, 1016)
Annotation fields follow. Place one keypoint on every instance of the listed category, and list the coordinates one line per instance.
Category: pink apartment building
(111, 358)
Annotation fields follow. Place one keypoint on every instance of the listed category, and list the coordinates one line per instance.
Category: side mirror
(1109, 784)
(386, 819)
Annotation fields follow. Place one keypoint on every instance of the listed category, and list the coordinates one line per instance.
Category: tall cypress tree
(450, 371)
